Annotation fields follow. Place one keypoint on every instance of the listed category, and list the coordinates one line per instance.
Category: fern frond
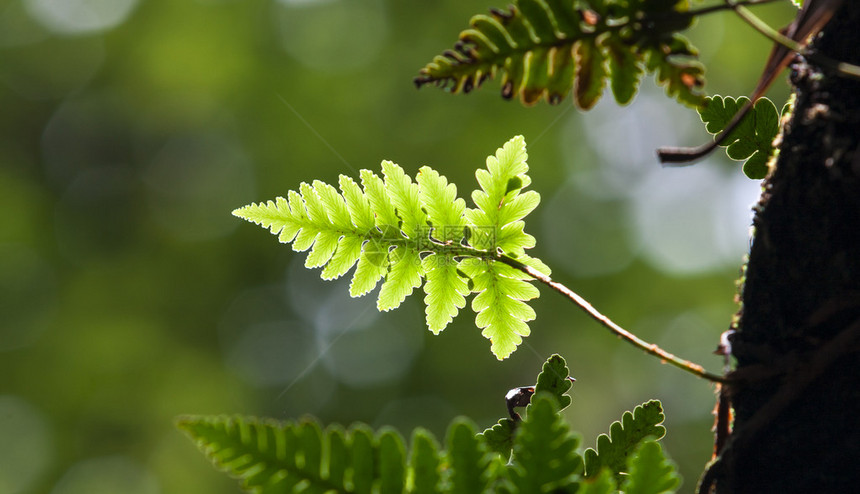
(266, 456)
(546, 48)
(401, 231)
(614, 450)
(752, 140)
(425, 463)
(553, 380)
(650, 471)
(544, 454)
(467, 458)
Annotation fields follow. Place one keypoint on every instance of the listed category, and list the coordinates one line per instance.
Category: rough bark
(797, 401)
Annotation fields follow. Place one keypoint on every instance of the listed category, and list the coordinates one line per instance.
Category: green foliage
(650, 471)
(546, 48)
(286, 457)
(401, 231)
(544, 453)
(613, 451)
(552, 380)
(752, 139)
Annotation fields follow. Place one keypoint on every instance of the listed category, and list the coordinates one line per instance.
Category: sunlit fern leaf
(445, 289)
(544, 453)
(403, 231)
(501, 204)
(752, 140)
(425, 463)
(467, 458)
(650, 472)
(545, 48)
(614, 450)
(500, 304)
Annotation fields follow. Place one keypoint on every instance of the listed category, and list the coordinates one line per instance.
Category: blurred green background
(131, 129)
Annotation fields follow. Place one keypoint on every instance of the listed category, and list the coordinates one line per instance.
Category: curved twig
(607, 323)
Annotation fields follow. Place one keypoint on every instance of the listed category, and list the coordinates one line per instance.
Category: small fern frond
(614, 450)
(546, 48)
(650, 472)
(553, 380)
(752, 140)
(544, 453)
(401, 231)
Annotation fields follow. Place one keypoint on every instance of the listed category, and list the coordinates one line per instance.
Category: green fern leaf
(500, 304)
(613, 450)
(553, 379)
(590, 73)
(467, 458)
(392, 462)
(752, 140)
(362, 458)
(445, 289)
(500, 437)
(425, 463)
(545, 48)
(602, 483)
(264, 455)
(650, 471)
(401, 232)
(497, 221)
(544, 452)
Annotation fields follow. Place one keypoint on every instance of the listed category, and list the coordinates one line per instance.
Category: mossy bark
(797, 344)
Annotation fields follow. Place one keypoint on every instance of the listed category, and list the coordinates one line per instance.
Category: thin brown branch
(607, 323)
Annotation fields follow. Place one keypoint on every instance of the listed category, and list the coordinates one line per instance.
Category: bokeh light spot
(107, 475)
(28, 304)
(26, 451)
(334, 35)
(80, 16)
(194, 181)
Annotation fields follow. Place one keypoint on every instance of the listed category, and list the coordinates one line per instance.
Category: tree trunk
(797, 398)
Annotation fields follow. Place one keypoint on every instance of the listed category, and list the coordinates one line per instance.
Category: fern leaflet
(650, 472)
(545, 49)
(614, 450)
(752, 140)
(544, 455)
(403, 231)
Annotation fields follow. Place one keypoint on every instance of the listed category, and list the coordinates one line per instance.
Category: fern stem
(724, 6)
(607, 323)
(797, 45)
